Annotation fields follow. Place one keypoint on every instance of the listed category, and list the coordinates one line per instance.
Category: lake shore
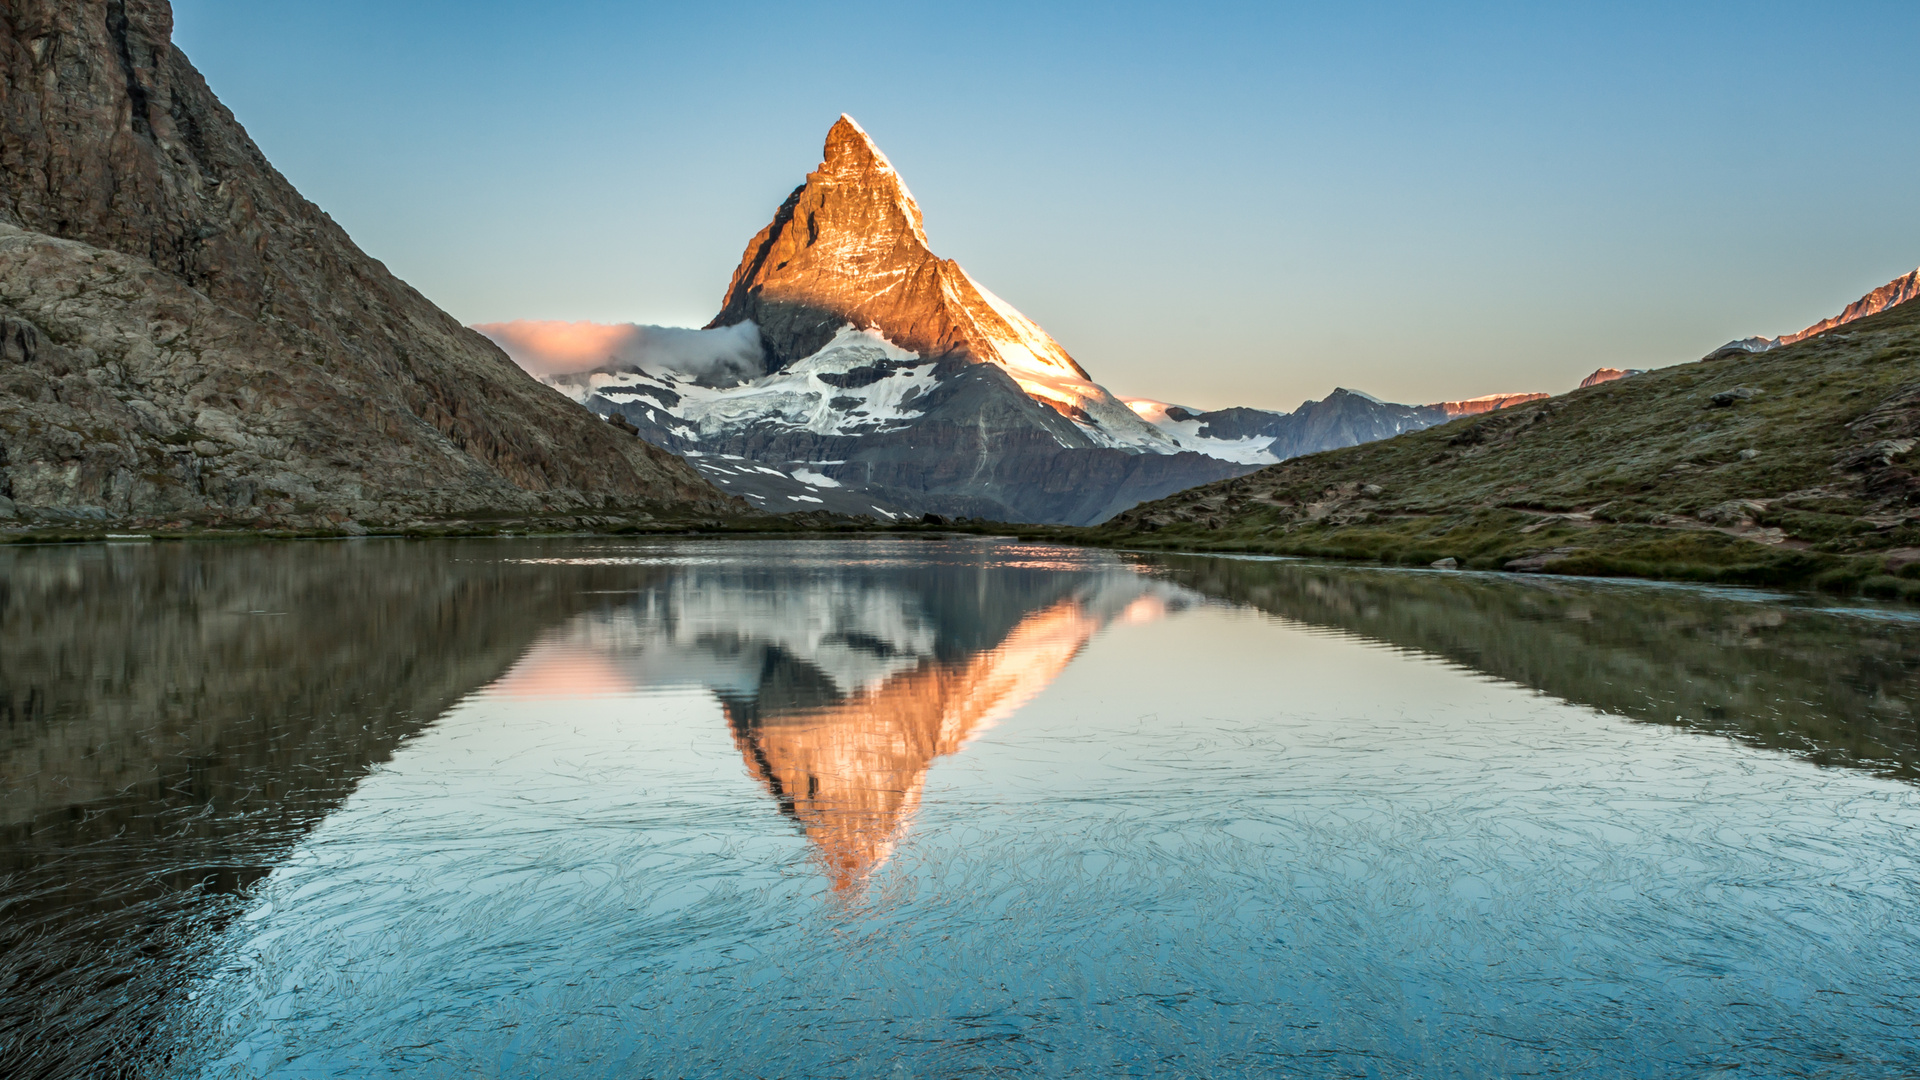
(1484, 540)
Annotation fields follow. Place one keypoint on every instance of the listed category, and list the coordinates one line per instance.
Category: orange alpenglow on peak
(1609, 374)
(848, 248)
(1900, 290)
(1893, 293)
(1486, 404)
(851, 774)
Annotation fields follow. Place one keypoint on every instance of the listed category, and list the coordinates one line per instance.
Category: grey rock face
(183, 336)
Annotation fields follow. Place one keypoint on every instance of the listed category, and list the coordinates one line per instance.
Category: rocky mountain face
(847, 249)
(1609, 374)
(184, 339)
(1898, 291)
(894, 384)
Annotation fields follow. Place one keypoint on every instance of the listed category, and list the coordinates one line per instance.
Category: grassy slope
(1638, 477)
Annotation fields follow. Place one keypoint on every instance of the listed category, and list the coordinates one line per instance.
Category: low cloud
(720, 357)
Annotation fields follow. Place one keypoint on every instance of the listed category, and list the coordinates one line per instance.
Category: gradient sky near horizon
(1212, 204)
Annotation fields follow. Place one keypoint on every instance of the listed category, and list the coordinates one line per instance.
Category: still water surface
(930, 808)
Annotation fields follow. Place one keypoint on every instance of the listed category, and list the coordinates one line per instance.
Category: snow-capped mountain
(848, 249)
(1343, 418)
(852, 369)
(890, 382)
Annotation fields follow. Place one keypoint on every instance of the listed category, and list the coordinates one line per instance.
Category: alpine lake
(941, 807)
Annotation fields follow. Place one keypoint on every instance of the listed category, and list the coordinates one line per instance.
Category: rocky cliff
(847, 248)
(184, 338)
(1898, 291)
(1609, 374)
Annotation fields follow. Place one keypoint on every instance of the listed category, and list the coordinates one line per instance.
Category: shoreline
(1641, 553)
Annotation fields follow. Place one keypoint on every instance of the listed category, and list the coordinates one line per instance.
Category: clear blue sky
(1211, 204)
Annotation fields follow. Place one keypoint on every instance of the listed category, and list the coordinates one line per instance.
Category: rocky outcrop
(188, 339)
(1898, 291)
(1485, 404)
(1609, 374)
(1893, 293)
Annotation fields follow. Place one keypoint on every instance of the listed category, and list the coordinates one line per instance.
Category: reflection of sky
(1216, 838)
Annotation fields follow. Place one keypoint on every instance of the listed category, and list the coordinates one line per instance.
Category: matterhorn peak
(850, 149)
(847, 249)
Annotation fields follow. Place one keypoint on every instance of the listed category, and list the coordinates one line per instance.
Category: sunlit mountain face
(841, 693)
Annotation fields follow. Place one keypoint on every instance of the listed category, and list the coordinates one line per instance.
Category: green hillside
(1787, 467)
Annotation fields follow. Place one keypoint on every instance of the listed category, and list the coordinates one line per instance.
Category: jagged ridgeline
(184, 338)
(1790, 465)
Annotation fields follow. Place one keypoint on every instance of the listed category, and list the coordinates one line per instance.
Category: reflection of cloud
(1149, 608)
(552, 670)
(720, 357)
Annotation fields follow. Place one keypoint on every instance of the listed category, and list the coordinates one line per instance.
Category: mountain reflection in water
(842, 688)
(177, 719)
(1838, 687)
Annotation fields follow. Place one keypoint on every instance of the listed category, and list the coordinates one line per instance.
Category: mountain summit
(891, 382)
(848, 249)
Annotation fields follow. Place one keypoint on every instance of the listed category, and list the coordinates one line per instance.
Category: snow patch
(808, 476)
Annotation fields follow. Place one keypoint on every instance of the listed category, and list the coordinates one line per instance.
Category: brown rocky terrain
(1475, 406)
(184, 339)
(1608, 374)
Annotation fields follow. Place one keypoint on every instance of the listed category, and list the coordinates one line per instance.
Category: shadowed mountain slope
(184, 337)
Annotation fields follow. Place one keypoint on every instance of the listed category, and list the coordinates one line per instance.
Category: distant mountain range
(1344, 418)
(889, 382)
(1898, 291)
